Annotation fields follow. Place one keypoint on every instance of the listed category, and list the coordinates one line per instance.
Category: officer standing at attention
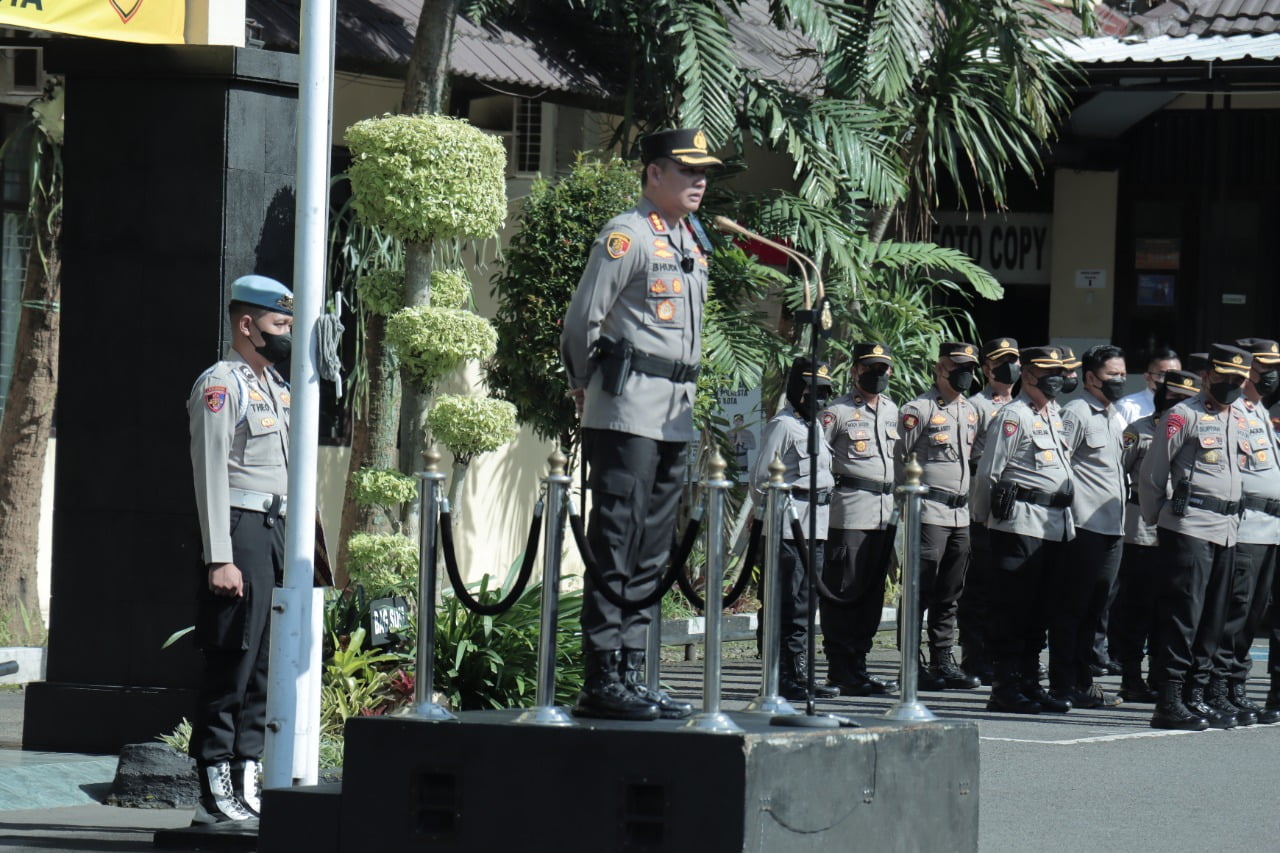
(862, 428)
(239, 418)
(786, 437)
(1001, 370)
(1256, 546)
(1196, 455)
(1133, 616)
(1024, 493)
(938, 427)
(631, 346)
(1095, 441)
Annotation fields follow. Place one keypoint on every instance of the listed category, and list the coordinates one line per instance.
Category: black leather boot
(1219, 697)
(943, 666)
(1193, 698)
(852, 678)
(1172, 713)
(1048, 702)
(926, 678)
(1240, 698)
(800, 673)
(1007, 695)
(633, 676)
(1132, 686)
(604, 695)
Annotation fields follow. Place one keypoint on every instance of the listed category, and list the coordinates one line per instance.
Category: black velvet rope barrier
(674, 573)
(744, 573)
(522, 580)
(797, 533)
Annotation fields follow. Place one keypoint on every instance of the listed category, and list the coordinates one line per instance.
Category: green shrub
(470, 425)
(450, 288)
(355, 682)
(381, 291)
(432, 341)
(424, 177)
(384, 563)
(383, 487)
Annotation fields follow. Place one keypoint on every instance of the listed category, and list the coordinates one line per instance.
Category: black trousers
(1080, 593)
(235, 637)
(856, 567)
(793, 628)
(973, 611)
(1025, 571)
(1247, 599)
(1191, 598)
(944, 560)
(635, 496)
(1134, 614)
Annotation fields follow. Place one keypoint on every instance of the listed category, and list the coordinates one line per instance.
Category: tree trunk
(413, 409)
(426, 83)
(373, 440)
(24, 433)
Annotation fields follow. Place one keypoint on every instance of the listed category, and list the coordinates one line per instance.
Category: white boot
(218, 802)
(244, 780)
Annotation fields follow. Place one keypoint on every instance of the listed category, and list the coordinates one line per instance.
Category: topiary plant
(450, 288)
(381, 291)
(383, 563)
(432, 341)
(425, 177)
(469, 425)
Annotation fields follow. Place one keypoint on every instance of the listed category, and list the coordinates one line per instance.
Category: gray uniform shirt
(941, 436)
(1259, 475)
(1200, 442)
(1027, 448)
(862, 441)
(633, 288)
(787, 437)
(239, 440)
(1135, 441)
(1095, 438)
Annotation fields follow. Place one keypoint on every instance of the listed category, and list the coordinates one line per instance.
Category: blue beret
(263, 292)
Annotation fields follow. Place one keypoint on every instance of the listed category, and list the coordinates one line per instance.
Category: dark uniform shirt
(862, 439)
(941, 435)
(1201, 443)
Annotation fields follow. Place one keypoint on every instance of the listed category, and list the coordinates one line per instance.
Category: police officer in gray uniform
(786, 437)
(1256, 545)
(1197, 454)
(239, 417)
(862, 428)
(938, 428)
(631, 346)
(1001, 370)
(1133, 615)
(1023, 491)
(1094, 438)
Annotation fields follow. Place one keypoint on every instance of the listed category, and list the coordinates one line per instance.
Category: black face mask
(805, 407)
(1007, 374)
(275, 348)
(1225, 392)
(1267, 382)
(1162, 399)
(874, 383)
(1112, 389)
(960, 380)
(1069, 384)
(1050, 386)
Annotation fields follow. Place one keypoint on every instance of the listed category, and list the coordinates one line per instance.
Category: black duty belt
(950, 499)
(676, 371)
(862, 484)
(1039, 497)
(1209, 504)
(1271, 506)
(824, 495)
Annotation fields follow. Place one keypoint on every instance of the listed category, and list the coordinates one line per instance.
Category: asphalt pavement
(1084, 781)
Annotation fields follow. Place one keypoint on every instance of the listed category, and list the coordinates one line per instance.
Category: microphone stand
(816, 319)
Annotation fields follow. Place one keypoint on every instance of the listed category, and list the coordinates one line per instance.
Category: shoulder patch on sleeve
(617, 244)
(215, 397)
(828, 418)
(1010, 427)
(909, 421)
(1173, 422)
(1130, 439)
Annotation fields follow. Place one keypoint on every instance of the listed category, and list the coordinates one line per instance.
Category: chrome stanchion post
(546, 712)
(909, 707)
(429, 521)
(712, 719)
(769, 701)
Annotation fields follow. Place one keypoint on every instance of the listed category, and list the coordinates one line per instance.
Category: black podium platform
(486, 784)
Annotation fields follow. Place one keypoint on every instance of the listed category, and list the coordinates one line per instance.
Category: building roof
(1210, 18)
(1170, 49)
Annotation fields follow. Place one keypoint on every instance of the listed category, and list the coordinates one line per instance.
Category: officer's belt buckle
(257, 501)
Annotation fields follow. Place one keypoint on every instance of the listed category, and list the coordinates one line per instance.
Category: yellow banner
(151, 21)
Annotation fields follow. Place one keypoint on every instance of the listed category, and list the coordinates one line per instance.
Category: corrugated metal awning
(1106, 50)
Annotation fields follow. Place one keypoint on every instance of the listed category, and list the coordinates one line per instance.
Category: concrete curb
(30, 660)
